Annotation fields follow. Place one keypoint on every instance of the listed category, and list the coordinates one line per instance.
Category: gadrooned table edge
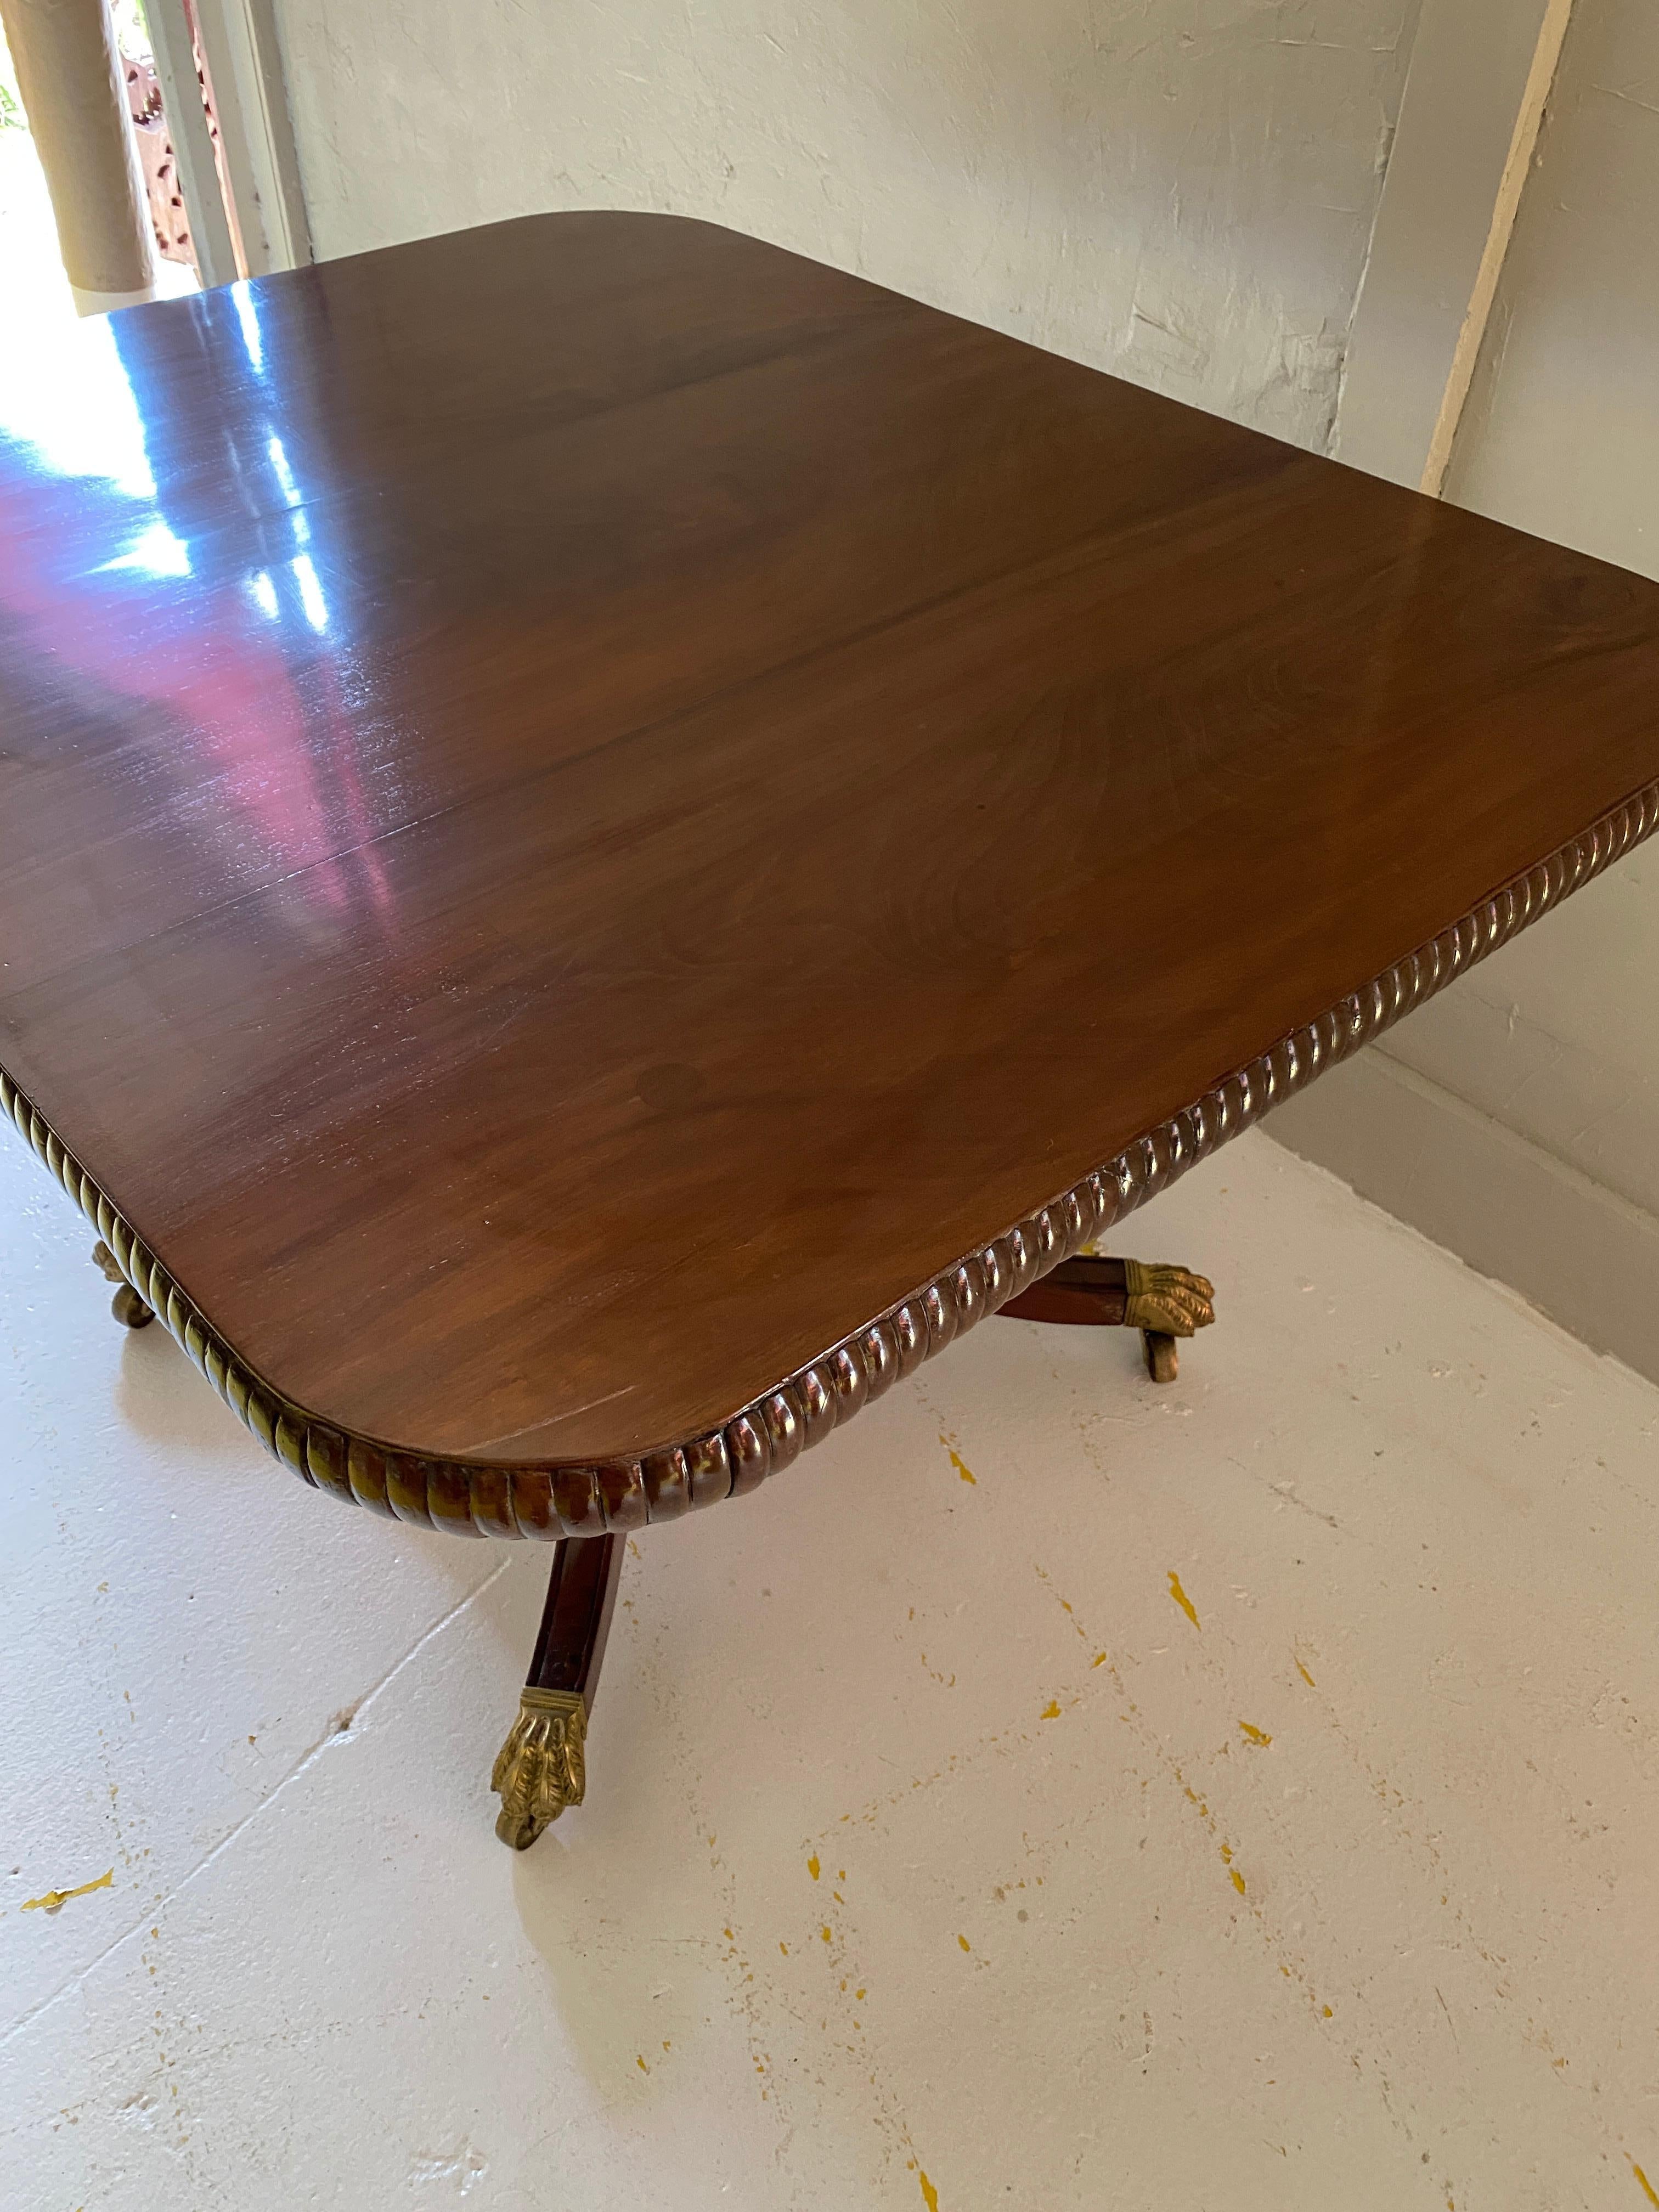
(581, 1499)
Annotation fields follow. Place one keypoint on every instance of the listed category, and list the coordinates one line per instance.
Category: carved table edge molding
(544, 1503)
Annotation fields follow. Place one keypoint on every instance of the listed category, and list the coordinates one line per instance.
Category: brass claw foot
(1164, 1303)
(1093, 1289)
(126, 1305)
(540, 1769)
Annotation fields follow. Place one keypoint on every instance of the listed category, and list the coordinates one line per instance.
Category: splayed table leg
(542, 1768)
(1093, 1290)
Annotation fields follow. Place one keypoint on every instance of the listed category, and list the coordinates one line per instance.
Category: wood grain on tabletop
(583, 804)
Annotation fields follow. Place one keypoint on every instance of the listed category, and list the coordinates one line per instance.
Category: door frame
(246, 208)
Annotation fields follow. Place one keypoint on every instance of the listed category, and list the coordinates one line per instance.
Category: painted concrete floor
(1054, 1792)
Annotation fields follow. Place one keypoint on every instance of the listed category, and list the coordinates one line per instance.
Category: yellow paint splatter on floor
(640, 2062)
(1648, 2190)
(1099, 1659)
(1306, 1676)
(962, 1466)
(55, 1899)
(1255, 1735)
(1051, 1710)
(929, 2194)
(1238, 1879)
(1325, 2012)
(1184, 1601)
(824, 1932)
(965, 1944)
(812, 1866)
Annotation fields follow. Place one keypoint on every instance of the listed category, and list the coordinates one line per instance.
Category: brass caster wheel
(1163, 1361)
(130, 1308)
(126, 1305)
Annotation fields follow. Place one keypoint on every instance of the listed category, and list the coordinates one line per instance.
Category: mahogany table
(607, 837)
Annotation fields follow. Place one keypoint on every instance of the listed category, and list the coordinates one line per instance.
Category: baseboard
(1580, 1253)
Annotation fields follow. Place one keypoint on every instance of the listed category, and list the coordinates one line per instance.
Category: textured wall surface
(1555, 1037)
(1561, 435)
(1472, 64)
(1179, 190)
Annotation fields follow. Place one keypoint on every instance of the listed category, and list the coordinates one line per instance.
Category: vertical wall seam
(1370, 247)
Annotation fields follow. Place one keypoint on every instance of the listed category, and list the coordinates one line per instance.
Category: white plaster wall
(1516, 1119)
(1181, 191)
(1471, 65)
(1561, 433)
(1557, 1037)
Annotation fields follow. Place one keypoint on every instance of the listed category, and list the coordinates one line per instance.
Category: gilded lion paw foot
(541, 1768)
(1172, 1300)
(1165, 1302)
(126, 1305)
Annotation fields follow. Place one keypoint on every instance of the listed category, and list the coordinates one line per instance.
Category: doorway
(124, 175)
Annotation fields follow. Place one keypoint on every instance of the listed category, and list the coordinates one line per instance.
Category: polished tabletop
(585, 805)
